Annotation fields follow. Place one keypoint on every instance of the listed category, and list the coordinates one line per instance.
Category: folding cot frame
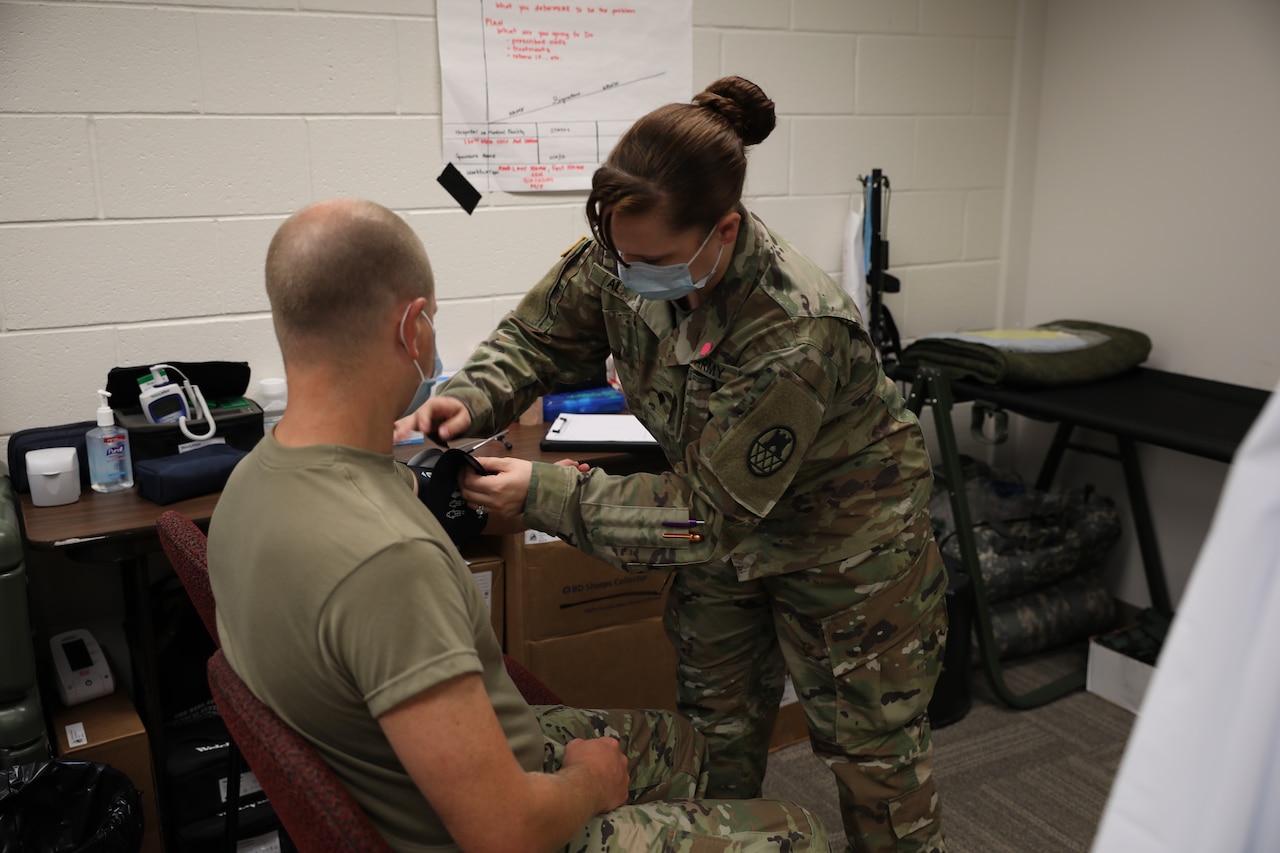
(1197, 416)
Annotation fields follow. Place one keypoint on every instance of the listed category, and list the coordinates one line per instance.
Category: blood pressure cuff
(167, 479)
(438, 489)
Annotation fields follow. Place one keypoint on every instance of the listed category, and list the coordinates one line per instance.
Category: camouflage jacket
(786, 441)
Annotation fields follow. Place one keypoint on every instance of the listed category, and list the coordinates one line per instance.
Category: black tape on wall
(456, 184)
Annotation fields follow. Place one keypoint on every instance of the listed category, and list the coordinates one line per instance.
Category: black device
(437, 473)
(884, 332)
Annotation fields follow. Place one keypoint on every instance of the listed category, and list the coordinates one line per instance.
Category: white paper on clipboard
(590, 432)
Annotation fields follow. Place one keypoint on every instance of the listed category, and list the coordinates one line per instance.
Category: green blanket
(1064, 352)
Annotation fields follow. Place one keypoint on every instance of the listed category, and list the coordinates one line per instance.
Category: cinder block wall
(149, 151)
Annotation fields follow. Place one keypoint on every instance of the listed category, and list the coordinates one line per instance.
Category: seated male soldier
(344, 605)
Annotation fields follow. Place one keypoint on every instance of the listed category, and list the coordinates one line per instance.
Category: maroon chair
(186, 547)
(316, 809)
(530, 687)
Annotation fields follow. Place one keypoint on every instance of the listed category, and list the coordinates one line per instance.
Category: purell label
(115, 452)
(110, 440)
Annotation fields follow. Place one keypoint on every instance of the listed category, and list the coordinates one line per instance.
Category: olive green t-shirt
(339, 597)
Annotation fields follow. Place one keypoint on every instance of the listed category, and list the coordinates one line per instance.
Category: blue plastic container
(595, 401)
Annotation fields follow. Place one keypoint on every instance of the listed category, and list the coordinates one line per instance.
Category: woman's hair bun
(743, 104)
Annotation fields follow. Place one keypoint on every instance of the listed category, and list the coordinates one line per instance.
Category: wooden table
(118, 530)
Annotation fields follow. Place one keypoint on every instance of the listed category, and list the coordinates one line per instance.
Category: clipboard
(622, 433)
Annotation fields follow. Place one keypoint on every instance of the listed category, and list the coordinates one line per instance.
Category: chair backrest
(529, 685)
(187, 549)
(316, 809)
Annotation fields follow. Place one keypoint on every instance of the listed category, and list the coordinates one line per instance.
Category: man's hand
(603, 759)
(450, 741)
(447, 417)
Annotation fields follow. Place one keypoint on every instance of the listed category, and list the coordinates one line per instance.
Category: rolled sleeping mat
(1072, 609)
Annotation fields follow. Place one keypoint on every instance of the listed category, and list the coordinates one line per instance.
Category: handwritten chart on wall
(536, 94)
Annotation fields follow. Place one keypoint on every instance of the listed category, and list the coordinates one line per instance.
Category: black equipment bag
(39, 438)
(237, 419)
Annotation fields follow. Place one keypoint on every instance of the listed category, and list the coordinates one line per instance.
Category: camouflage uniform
(810, 482)
(666, 807)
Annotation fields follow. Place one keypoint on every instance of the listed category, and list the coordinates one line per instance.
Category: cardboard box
(487, 567)
(108, 731)
(632, 666)
(1116, 677)
(791, 726)
(622, 666)
(555, 590)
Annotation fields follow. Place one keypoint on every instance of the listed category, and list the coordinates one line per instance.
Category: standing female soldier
(794, 463)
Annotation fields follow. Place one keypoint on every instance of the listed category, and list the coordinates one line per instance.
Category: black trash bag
(68, 807)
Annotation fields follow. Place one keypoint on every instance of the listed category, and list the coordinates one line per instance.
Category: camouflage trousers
(863, 641)
(666, 810)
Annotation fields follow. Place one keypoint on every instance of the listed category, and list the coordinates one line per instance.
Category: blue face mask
(672, 281)
(427, 382)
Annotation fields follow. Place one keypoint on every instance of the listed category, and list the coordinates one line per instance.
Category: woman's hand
(446, 417)
(502, 492)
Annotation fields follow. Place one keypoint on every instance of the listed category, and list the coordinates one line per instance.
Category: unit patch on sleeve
(770, 451)
(756, 458)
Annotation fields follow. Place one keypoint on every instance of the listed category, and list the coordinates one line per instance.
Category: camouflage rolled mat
(1071, 609)
(1025, 539)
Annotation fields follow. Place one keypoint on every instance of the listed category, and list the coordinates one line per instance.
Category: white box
(1116, 677)
(54, 475)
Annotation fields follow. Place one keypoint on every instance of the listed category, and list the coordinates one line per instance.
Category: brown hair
(335, 269)
(687, 161)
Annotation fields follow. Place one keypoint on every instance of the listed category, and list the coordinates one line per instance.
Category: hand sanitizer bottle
(275, 395)
(110, 467)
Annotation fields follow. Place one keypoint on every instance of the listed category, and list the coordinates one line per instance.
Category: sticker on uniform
(537, 537)
(76, 736)
(248, 785)
(770, 450)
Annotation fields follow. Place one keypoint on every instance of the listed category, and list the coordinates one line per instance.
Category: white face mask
(426, 383)
(653, 281)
